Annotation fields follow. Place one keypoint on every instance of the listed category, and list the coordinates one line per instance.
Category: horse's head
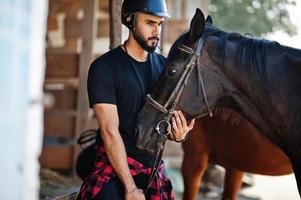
(189, 82)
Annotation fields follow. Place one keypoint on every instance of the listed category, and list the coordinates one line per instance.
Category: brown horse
(232, 142)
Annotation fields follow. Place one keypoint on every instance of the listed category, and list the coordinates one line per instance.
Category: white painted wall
(22, 64)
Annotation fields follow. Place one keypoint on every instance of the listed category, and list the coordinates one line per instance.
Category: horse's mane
(249, 52)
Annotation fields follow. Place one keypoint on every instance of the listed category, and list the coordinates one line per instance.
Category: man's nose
(156, 31)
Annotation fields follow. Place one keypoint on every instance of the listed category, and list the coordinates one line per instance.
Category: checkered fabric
(160, 188)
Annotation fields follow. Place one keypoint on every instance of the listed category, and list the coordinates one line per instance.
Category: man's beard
(143, 43)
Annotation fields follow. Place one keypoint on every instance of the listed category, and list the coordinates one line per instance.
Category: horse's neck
(293, 56)
(265, 96)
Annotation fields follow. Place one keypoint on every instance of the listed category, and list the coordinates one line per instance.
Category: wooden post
(89, 27)
(184, 8)
(115, 23)
(163, 37)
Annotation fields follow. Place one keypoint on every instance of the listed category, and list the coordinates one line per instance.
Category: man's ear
(197, 26)
(209, 19)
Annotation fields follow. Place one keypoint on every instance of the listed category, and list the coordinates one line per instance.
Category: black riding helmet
(153, 7)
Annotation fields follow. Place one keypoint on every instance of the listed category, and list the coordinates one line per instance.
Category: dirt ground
(265, 188)
(55, 185)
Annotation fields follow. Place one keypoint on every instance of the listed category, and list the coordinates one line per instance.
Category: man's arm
(108, 120)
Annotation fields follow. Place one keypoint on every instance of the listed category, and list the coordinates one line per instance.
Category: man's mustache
(154, 38)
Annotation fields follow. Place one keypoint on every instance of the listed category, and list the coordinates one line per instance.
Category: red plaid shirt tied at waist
(159, 189)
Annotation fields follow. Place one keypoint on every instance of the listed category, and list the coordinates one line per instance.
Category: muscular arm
(108, 120)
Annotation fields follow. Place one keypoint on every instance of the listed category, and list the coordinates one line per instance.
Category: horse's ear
(209, 19)
(197, 25)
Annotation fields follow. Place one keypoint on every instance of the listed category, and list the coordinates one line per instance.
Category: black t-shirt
(116, 78)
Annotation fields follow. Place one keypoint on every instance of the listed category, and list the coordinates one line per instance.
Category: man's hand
(136, 194)
(179, 127)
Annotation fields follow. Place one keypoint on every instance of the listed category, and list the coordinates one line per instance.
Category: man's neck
(134, 50)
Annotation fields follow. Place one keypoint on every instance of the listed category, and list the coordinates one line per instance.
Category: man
(118, 81)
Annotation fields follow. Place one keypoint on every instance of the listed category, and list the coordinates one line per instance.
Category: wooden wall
(65, 61)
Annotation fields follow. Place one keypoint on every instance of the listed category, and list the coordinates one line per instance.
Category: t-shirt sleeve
(101, 83)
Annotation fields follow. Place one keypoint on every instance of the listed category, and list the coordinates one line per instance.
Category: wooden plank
(62, 65)
(59, 125)
(52, 23)
(115, 23)
(70, 47)
(60, 83)
(64, 99)
(57, 157)
(70, 7)
(62, 113)
(103, 28)
(73, 28)
(88, 37)
(103, 5)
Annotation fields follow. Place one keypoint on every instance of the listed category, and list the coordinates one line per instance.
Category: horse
(209, 68)
(231, 141)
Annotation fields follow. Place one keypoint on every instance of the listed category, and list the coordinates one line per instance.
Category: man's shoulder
(106, 60)
(108, 56)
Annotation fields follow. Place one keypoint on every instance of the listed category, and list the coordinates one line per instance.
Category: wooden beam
(73, 28)
(56, 157)
(115, 23)
(59, 123)
(88, 37)
(52, 23)
(62, 65)
(70, 7)
(104, 5)
(70, 47)
(60, 83)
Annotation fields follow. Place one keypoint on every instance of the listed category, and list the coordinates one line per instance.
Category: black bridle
(173, 99)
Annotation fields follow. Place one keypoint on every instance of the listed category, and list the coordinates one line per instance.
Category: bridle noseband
(177, 92)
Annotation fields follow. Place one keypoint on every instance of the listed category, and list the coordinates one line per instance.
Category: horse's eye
(172, 72)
